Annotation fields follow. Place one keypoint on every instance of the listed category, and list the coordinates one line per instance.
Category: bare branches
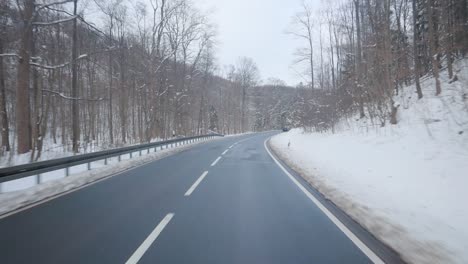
(138, 79)
(49, 67)
(63, 96)
(55, 67)
(40, 7)
(10, 55)
(54, 22)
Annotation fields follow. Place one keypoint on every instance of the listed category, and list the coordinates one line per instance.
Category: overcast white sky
(256, 29)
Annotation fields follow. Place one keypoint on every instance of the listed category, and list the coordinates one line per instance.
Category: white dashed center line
(225, 151)
(216, 161)
(149, 240)
(197, 182)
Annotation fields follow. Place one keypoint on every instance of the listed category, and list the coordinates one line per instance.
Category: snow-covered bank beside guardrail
(405, 183)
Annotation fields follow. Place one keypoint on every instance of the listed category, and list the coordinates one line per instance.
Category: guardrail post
(89, 165)
(38, 178)
(147, 151)
(131, 154)
(105, 161)
(67, 171)
(139, 152)
(119, 158)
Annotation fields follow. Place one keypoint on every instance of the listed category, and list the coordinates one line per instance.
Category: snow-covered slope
(406, 183)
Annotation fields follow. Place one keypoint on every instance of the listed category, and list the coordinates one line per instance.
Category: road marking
(366, 250)
(242, 140)
(195, 184)
(216, 161)
(149, 240)
(225, 151)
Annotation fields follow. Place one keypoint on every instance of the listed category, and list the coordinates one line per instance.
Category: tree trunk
(75, 109)
(109, 93)
(449, 37)
(433, 35)
(3, 111)
(23, 108)
(311, 58)
(359, 61)
(36, 103)
(123, 95)
(417, 61)
(332, 55)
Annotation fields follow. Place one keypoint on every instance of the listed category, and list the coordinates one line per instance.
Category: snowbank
(405, 183)
(56, 150)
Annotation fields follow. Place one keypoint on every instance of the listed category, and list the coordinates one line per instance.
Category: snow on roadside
(14, 200)
(54, 151)
(405, 183)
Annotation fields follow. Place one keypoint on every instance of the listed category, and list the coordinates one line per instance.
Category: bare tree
(247, 76)
(304, 23)
(416, 53)
(3, 108)
(433, 35)
(23, 110)
(75, 110)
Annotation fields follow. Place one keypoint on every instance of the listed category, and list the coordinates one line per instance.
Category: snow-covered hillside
(406, 183)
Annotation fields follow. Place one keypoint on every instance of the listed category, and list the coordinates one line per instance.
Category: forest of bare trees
(85, 74)
(358, 54)
(131, 72)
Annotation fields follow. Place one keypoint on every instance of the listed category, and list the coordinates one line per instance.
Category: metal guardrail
(37, 168)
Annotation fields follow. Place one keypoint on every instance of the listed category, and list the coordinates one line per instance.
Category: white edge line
(195, 184)
(149, 240)
(225, 151)
(366, 250)
(216, 161)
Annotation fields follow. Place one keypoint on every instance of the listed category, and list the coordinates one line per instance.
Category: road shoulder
(382, 250)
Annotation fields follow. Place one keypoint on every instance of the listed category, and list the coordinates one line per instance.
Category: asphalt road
(226, 201)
